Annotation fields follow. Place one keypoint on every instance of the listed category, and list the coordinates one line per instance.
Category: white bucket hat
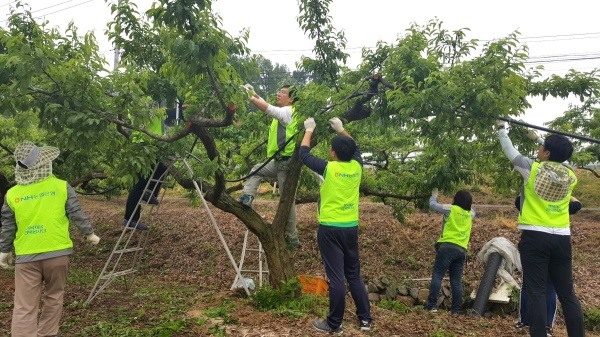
(33, 163)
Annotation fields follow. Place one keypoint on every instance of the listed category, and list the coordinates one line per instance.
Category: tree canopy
(422, 107)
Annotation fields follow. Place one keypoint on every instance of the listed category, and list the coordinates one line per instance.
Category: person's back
(451, 247)
(338, 216)
(545, 246)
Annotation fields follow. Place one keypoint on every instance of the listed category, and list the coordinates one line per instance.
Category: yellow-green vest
(42, 223)
(338, 205)
(157, 127)
(539, 212)
(457, 229)
(279, 134)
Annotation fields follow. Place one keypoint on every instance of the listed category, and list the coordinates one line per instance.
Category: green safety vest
(42, 223)
(457, 229)
(539, 212)
(157, 127)
(279, 134)
(338, 205)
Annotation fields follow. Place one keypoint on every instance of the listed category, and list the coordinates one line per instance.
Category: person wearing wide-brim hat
(35, 223)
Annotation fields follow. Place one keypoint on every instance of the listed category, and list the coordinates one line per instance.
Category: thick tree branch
(370, 192)
(85, 179)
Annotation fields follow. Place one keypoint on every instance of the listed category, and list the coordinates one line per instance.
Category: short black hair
(292, 92)
(344, 147)
(463, 199)
(560, 148)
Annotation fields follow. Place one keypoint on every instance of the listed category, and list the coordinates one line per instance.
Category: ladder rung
(157, 180)
(254, 271)
(128, 250)
(119, 273)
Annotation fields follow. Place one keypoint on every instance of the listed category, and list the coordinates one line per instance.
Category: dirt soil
(184, 249)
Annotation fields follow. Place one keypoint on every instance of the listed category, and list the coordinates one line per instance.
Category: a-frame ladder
(215, 225)
(124, 259)
(262, 270)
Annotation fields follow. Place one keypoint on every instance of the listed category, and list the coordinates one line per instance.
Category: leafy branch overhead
(421, 108)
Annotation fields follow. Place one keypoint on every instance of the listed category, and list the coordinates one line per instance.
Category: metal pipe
(571, 135)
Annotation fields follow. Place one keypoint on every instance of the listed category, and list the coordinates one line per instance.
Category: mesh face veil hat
(33, 163)
(552, 181)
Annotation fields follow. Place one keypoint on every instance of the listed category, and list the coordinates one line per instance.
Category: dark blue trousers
(339, 251)
(550, 305)
(451, 258)
(544, 256)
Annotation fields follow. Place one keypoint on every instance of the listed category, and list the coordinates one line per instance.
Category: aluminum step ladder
(260, 263)
(214, 223)
(124, 259)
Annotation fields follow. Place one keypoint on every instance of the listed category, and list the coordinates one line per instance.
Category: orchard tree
(582, 119)
(422, 107)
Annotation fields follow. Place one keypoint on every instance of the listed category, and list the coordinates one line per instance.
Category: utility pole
(117, 58)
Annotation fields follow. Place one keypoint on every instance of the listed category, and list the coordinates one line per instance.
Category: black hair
(344, 147)
(292, 92)
(560, 148)
(463, 199)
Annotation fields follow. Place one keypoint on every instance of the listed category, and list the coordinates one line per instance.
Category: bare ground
(184, 251)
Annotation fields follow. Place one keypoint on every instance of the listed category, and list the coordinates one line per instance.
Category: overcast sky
(563, 34)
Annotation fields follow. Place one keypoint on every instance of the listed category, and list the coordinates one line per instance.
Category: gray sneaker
(246, 200)
(365, 325)
(323, 326)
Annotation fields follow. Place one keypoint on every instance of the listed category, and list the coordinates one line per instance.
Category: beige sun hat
(33, 163)
(552, 181)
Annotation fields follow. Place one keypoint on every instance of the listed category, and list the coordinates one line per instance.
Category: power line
(52, 6)
(64, 9)
(8, 3)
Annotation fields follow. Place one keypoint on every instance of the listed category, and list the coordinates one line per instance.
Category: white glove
(336, 124)
(93, 238)
(249, 89)
(309, 124)
(531, 134)
(4, 258)
(500, 124)
(434, 192)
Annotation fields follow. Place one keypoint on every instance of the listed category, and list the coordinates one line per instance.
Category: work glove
(336, 124)
(500, 124)
(4, 260)
(309, 124)
(531, 134)
(93, 238)
(250, 90)
(434, 192)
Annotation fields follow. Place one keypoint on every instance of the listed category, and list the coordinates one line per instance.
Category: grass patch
(286, 302)
(591, 319)
(394, 306)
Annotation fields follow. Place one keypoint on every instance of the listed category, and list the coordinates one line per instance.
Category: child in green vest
(451, 248)
(337, 236)
(35, 222)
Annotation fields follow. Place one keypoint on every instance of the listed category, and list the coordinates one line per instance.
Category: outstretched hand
(336, 124)
(434, 192)
(531, 134)
(250, 90)
(310, 124)
(500, 124)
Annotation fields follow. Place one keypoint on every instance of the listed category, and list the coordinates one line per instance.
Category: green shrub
(591, 319)
(394, 305)
(287, 302)
(269, 298)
